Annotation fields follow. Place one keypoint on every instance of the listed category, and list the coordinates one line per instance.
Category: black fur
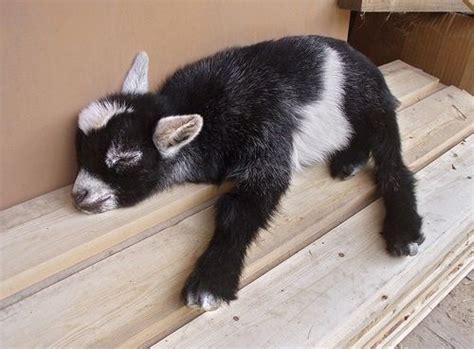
(248, 97)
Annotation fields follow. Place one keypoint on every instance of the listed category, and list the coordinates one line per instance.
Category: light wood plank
(407, 5)
(407, 81)
(341, 286)
(46, 239)
(390, 330)
(132, 297)
(449, 325)
(47, 249)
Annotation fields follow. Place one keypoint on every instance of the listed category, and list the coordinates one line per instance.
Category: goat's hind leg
(396, 183)
(347, 162)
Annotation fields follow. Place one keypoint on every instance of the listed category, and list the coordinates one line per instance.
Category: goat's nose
(79, 195)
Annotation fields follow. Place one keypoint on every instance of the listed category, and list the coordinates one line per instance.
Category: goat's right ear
(136, 80)
(174, 132)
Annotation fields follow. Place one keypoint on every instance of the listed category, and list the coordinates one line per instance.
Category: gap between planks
(344, 290)
(45, 239)
(145, 279)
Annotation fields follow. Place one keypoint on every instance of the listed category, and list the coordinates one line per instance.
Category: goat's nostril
(80, 195)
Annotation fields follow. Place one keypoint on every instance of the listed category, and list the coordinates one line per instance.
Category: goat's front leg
(240, 214)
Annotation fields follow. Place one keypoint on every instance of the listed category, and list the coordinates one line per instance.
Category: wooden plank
(406, 5)
(46, 249)
(448, 325)
(392, 329)
(345, 284)
(46, 239)
(132, 297)
(411, 83)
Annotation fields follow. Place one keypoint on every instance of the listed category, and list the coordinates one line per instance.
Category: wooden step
(132, 297)
(44, 240)
(407, 5)
(344, 290)
(408, 83)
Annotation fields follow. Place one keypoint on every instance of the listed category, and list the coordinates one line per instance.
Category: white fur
(98, 190)
(137, 77)
(324, 128)
(204, 301)
(97, 114)
(116, 152)
(412, 248)
(181, 171)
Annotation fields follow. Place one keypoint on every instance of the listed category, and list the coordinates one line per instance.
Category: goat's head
(126, 147)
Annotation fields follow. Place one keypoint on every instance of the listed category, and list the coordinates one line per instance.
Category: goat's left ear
(136, 80)
(174, 132)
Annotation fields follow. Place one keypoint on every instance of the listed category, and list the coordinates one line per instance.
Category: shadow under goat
(252, 115)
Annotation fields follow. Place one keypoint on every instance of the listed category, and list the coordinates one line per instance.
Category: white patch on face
(324, 128)
(97, 114)
(126, 157)
(100, 196)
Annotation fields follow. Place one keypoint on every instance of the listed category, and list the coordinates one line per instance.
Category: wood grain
(333, 292)
(46, 239)
(132, 297)
(449, 324)
(410, 83)
(406, 5)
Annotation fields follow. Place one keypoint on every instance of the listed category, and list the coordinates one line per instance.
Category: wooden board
(132, 297)
(43, 250)
(407, 5)
(451, 321)
(411, 84)
(344, 290)
(45, 240)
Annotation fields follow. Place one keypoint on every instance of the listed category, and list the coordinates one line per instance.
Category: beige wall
(56, 56)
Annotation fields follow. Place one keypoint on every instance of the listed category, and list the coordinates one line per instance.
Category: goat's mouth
(102, 204)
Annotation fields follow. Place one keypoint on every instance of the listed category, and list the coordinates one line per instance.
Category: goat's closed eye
(120, 160)
(129, 158)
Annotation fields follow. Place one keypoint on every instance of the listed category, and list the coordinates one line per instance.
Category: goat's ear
(174, 132)
(136, 80)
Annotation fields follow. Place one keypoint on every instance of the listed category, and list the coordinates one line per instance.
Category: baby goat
(250, 115)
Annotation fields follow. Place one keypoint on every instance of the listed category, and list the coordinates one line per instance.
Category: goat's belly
(323, 130)
(323, 126)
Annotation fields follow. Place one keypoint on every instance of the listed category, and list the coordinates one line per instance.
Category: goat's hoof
(347, 163)
(206, 293)
(346, 171)
(203, 300)
(405, 249)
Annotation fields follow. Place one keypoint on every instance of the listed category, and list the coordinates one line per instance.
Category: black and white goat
(251, 115)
